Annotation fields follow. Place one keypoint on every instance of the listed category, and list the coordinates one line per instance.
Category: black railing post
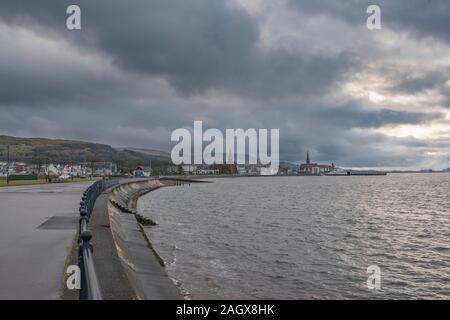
(83, 295)
(90, 288)
(83, 219)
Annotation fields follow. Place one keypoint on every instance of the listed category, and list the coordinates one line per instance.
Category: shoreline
(141, 264)
(192, 178)
(128, 266)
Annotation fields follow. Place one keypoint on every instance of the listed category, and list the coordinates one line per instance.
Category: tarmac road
(37, 227)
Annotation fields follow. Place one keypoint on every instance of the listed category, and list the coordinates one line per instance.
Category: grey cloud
(415, 84)
(421, 83)
(406, 82)
(373, 150)
(424, 18)
(446, 92)
(353, 117)
(197, 45)
(346, 148)
(328, 133)
(56, 85)
(41, 72)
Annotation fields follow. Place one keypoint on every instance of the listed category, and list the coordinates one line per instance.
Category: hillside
(66, 151)
(151, 152)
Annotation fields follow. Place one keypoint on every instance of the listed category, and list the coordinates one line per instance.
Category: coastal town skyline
(43, 166)
(7, 152)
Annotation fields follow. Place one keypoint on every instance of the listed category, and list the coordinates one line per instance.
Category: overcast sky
(140, 69)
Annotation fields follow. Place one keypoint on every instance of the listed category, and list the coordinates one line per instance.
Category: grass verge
(69, 259)
(40, 181)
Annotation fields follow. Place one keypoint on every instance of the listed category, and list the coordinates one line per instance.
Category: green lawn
(40, 181)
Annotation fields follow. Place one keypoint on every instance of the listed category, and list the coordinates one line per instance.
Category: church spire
(307, 157)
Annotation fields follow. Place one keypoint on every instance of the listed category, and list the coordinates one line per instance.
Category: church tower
(307, 157)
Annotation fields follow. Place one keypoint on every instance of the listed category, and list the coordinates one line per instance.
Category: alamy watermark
(219, 148)
(73, 281)
(73, 21)
(374, 279)
(374, 20)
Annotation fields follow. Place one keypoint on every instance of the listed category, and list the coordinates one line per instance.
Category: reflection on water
(305, 237)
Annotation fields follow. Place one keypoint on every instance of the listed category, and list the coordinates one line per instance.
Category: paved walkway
(37, 227)
(113, 281)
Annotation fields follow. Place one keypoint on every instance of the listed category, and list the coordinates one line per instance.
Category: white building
(207, 171)
(189, 168)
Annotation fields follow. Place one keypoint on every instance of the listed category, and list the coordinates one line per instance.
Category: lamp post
(47, 176)
(7, 167)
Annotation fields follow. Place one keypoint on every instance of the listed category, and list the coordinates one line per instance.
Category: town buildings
(57, 170)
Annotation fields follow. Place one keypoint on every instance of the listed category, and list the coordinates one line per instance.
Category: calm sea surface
(305, 237)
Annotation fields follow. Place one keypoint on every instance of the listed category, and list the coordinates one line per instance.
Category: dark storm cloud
(416, 84)
(446, 93)
(430, 81)
(357, 117)
(331, 138)
(346, 149)
(197, 45)
(44, 82)
(423, 17)
(412, 84)
(103, 83)
(412, 81)
(328, 133)
(370, 150)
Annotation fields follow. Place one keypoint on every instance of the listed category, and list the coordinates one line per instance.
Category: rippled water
(305, 237)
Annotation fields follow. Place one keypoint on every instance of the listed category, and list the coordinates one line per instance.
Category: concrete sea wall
(142, 266)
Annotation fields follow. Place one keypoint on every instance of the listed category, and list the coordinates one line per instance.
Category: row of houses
(65, 170)
(307, 168)
(13, 168)
(222, 169)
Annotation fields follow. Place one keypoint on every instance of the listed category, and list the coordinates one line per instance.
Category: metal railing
(90, 288)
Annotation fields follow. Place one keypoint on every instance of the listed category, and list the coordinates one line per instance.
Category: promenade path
(37, 227)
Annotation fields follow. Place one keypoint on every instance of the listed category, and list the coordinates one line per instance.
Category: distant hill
(290, 165)
(150, 152)
(65, 151)
(446, 170)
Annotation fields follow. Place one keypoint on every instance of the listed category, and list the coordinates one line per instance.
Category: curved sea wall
(143, 267)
